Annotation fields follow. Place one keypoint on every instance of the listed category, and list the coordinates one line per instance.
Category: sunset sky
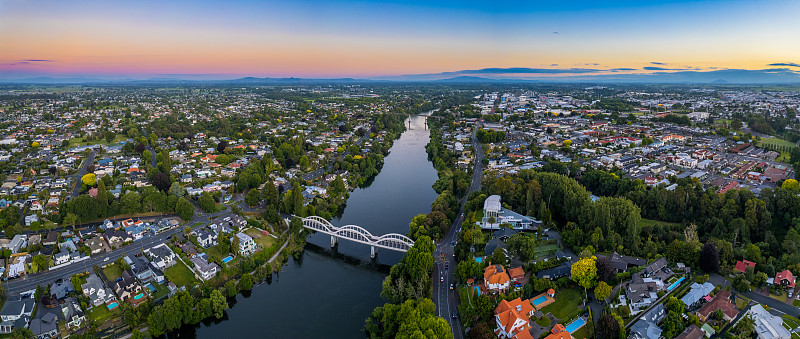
(365, 39)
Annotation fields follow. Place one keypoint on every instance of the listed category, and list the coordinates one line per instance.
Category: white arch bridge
(390, 241)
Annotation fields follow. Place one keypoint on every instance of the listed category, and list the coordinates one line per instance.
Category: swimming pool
(138, 296)
(575, 325)
(112, 306)
(151, 287)
(227, 259)
(539, 300)
(675, 284)
(479, 259)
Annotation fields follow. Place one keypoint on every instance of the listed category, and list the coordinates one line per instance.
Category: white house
(246, 244)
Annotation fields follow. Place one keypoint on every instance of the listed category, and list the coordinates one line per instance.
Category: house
(205, 269)
(51, 239)
(647, 326)
(516, 273)
(742, 265)
(696, 292)
(45, 327)
(73, 314)
(641, 292)
(785, 279)
(513, 317)
(96, 244)
(117, 238)
(15, 313)
(555, 273)
(97, 293)
(126, 287)
(62, 289)
(653, 267)
(495, 278)
(768, 326)
(140, 267)
(691, 332)
(206, 237)
(161, 256)
(494, 216)
(722, 302)
(19, 241)
(557, 332)
(622, 263)
(246, 244)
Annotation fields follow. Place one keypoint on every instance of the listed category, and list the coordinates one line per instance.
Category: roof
(722, 302)
(508, 312)
(742, 265)
(698, 291)
(691, 332)
(768, 325)
(496, 274)
(785, 275)
(492, 203)
(558, 332)
(516, 272)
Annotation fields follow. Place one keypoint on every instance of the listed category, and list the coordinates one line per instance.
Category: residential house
(205, 269)
(96, 244)
(206, 237)
(246, 244)
(557, 332)
(161, 256)
(127, 287)
(785, 279)
(742, 265)
(15, 313)
(140, 267)
(654, 267)
(45, 327)
(61, 289)
(495, 278)
(721, 301)
(117, 238)
(96, 291)
(696, 292)
(513, 317)
(768, 326)
(691, 332)
(647, 325)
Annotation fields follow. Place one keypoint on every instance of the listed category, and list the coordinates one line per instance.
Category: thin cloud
(658, 63)
(785, 64)
(38, 60)
(556, 33)
(654, 68)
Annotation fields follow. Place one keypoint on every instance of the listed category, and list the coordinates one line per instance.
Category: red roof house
(741, 266)
(785, 278)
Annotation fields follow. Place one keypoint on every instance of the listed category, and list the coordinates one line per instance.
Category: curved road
(446, 300)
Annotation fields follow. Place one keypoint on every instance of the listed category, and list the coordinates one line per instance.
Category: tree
(177, 190)
(39, 263)
(22, 333)
(88, 179)
(218, 303)
(607, 327)
(161, 181)
(71, 219)
(184, 208)
(605, 269)
(221, 146)
(584, 272)
(499, 257)
(206, 202)
(602, 291)
(131, 203)
(709, 258)
(246, 282)
(252, 197)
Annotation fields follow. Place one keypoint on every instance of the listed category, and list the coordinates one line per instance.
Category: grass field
(80, 142)
(543, 321)
(567, 302)
(101, 314)
(650, 222)
(261, 239)
(113, 272)
(215, 252)
(776, 142)
(180, 275)
(161, 290)
(582, 333)
(723, 121)
(781, 297)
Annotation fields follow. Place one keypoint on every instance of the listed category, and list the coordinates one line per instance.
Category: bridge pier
(372, 252)
(334, 240)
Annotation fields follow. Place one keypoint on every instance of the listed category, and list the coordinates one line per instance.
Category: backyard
(568, 301)
(263, 240)
(101, 314)
(180, 274)
(112, 272)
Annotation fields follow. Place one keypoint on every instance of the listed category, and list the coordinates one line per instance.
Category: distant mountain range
(486, 75)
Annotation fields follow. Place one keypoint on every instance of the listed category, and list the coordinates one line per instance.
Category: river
(328, 293)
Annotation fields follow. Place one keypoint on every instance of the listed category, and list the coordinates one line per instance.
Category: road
(446, 300)
(76, 190)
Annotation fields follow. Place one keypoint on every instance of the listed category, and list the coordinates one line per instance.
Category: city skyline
(391, 39)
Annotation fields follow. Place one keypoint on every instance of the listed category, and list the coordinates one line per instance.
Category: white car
(106, 259)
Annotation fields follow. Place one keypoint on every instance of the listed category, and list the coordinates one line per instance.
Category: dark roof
(691, 332)
(558, 272)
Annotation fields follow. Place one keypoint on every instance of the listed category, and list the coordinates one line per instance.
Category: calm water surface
(329, 292)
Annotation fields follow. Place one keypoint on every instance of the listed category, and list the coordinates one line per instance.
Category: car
(446, 266)
(455, 315)
(452, 286)
(106, 259)
(441, 279)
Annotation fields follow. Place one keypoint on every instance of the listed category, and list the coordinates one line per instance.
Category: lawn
(215, 252)
(113, 272)
(161, 290)
(583, 332)
(80, 141)
(650, 222)
(101, 314)
(567, 302)
(180, 275)
(543, 322)
(775, 142)
(780, 297)
(263, 240)
(545, 250)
